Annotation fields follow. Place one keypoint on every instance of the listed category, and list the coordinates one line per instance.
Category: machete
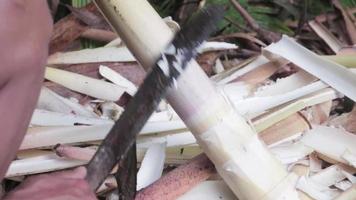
(163, 75)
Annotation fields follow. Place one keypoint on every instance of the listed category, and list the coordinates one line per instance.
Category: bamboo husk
(67, 30)
(260, 74)
(170, 187)
(288, 127)
(99, 35)
(351, 121)
(225, 137)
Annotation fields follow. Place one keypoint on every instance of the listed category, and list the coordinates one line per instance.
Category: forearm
(17, 99)
(24, 34)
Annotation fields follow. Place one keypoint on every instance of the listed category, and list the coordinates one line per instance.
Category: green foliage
(264, 14)
(84, 43)
(166, 7)
(270, 14)
(348, 3)
(273, 14)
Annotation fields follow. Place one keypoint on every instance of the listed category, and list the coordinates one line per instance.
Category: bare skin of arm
(25, 30)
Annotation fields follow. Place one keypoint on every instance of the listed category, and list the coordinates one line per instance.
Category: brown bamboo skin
(180, 180)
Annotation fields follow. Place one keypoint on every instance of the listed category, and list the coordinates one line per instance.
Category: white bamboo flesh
(85, 85)
(335, 75)
(349, 194)
(151, 166)
(138, 24)
(37, 137)
(45, 161)
(209, 190)
(41, 164)
(101, 54)
(50, 101)
(323, 139)
(117, 79)
(48, 118)
(241, 158)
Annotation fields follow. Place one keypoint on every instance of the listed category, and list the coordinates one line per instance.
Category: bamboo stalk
(240, 157)
(268, 36)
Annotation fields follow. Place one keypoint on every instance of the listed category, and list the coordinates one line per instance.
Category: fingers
(50, 187)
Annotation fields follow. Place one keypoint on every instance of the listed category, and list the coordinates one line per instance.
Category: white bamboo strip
(48, 161)
(349, 194)
(229, 75)
(37, 137)
(215, 46)
(85, 85)
(209, 190)
(254, 106)
(291, 152)
(335, 75)
(50, 101)
(330, 175)
(172, 139)
(283, 85)
(267, 120)
(218, 67)
(40, 165)
(49, 136)
(152, 165)
(333, 143)
(49, 118)
(236, 91)
(112, 53)
(101, 54)
(326, 35)
(316, 190)
(116, 78)
(343, 185)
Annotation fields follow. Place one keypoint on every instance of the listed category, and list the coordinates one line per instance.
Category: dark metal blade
(172, 62)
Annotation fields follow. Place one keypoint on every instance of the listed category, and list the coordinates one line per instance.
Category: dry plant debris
(301, 105)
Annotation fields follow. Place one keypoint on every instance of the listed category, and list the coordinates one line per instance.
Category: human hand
(25, 29)
(65, 185)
